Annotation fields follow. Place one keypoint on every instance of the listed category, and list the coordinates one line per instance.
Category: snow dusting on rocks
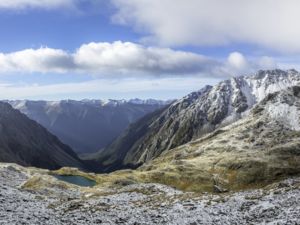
(135, 204)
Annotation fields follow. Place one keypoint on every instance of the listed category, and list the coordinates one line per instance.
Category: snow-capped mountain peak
(204, 111)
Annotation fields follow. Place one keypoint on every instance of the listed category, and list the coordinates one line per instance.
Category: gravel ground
(145, 204)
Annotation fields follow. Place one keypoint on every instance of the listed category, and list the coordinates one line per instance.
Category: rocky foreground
(61, 203)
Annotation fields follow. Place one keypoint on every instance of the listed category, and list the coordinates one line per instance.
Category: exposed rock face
(88, 125)
(27, 143)
(196, 115)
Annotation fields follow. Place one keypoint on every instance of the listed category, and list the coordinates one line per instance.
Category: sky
(122, 49)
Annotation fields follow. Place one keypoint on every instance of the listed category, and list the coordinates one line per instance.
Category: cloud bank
(127, 57)
(119, 58)
(268, 23)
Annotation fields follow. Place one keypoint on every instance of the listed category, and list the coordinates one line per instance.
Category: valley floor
(141, 203)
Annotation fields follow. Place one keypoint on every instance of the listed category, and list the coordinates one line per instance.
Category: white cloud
(36, 60)
(237, 64)
(43, 4)
(268, 23)
(130, 59)
(237, 60)
(107, 58)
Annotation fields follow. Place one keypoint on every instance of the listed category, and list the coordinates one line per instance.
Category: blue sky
(59, 28)
(60, 49)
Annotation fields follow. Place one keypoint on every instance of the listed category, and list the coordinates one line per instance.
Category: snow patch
(288, 115)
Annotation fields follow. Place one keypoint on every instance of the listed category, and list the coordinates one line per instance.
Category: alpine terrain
(223, 150)
(194, 116)
(227, 154)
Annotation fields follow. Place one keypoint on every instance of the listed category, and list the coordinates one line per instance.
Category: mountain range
(259, 149)
(193, 116)
(88, 125)
(240, 132)
(243, 170)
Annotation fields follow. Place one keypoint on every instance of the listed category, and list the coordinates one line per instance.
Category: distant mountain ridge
(87, 125)
(193, 116)
(27, 143)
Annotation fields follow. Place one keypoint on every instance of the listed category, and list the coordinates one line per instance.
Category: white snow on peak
(285, 113)
(257, 87)
(233, 99)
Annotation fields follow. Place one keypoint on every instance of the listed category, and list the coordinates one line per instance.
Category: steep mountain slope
(257, 150)
(261, 148)
(198, 114)
(88, 125)
(27, 143)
